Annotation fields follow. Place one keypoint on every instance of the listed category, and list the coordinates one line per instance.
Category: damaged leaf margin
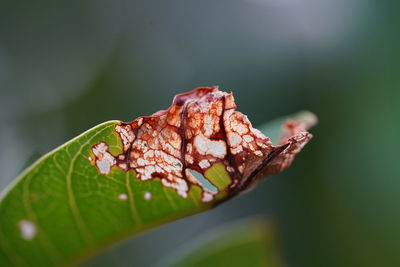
(202, 140)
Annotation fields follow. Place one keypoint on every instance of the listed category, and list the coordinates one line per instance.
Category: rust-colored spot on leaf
(202, 128)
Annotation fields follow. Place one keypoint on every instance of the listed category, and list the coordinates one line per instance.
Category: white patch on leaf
(28, 229)
(207, 196)
(178, 184)
(123, 197)
(104, 160)
(147, 196)
(206, 146)
(204, 164)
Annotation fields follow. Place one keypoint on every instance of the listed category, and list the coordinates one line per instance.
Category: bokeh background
(66, 66)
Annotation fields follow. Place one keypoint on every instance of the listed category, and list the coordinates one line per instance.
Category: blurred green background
(66, 66)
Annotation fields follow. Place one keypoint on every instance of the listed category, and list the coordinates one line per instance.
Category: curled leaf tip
(199, 130)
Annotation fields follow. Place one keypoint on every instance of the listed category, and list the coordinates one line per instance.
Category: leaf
(118, 179)
(249, 242)
(273, 129)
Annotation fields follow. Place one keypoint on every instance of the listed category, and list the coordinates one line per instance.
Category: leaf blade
(273, 129)
(247, 242)
(68, 205)
(58, 192)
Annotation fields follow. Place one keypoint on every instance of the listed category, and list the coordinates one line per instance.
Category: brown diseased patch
(199, 129)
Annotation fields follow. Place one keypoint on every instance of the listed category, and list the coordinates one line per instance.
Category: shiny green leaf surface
(62, 209)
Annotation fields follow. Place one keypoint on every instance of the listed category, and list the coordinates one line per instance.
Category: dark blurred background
(66, 66)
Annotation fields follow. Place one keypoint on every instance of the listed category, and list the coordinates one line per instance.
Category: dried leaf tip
(199, 130)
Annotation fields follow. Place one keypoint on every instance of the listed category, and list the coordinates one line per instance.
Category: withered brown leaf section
(201, 128)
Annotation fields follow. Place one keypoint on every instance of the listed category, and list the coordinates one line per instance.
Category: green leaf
(62, 209)
(67, 206)
(250, 242)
